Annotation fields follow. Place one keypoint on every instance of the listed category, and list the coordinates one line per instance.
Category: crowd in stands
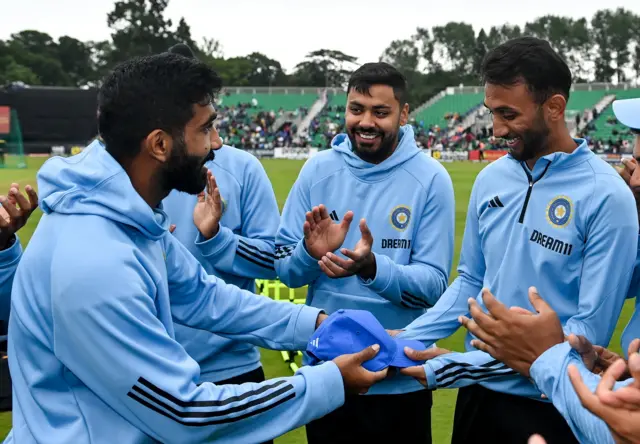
(249, 126)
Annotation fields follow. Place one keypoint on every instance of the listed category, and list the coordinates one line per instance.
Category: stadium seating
(268, 102)
(606, 127)
(449, 104)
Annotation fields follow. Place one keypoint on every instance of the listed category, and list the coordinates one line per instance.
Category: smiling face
(373, 122)
(518, 119)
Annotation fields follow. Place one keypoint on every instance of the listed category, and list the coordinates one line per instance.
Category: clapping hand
(15, 211)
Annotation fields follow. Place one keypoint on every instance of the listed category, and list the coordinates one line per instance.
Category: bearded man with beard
(550, 214)
(395, 263)
(92, 349)
(233, 239)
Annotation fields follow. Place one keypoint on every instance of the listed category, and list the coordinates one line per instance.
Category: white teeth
(368, 136)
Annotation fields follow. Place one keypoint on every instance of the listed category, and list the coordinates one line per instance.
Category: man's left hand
(512, 336)
(15, 211)
(208, 211)
(361, 260)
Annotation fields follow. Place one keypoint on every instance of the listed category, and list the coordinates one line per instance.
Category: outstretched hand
(15, 212)
(208, 210)
(321, 234)
(361, 260)
(417, 371)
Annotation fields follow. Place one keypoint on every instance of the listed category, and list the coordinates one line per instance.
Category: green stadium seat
(604, 131)
(449, 104)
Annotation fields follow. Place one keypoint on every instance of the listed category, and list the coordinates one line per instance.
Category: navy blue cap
(351, 331)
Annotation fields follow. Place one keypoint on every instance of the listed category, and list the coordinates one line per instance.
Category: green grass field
(283, 174)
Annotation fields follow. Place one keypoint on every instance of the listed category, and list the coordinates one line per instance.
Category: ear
(158, 145)
(404, 114)
(556, 106)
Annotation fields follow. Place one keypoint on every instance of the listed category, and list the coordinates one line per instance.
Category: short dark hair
(379, 73)
(148, 93)
(531, 61)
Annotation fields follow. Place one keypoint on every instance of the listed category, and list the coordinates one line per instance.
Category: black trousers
(370, 419)
(256, 375)
(483, 415)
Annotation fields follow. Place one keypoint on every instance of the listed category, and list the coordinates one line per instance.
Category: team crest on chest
(560, 211)
(400, 217)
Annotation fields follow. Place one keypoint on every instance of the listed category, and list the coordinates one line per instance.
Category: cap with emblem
(351, 331)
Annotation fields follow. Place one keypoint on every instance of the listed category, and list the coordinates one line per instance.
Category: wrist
(208, 234)
(6, 241)
(321, 317)
(369, 269)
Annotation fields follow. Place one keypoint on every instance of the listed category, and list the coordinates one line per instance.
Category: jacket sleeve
(251, 253)
(294, 265)
(9, 260)
(608, 262)
(107, 332)
(441, 320)
(205, 302)
(420, 284)
(457, 370)
(549, 372)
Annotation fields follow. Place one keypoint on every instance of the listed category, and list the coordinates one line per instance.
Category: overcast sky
(287, 30)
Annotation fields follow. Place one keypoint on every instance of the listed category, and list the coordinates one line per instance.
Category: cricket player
(551, 214)
(395, 260)
(567, 372)
(92, 350)
(236, 244)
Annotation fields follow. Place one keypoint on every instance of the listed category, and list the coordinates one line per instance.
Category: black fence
(53, 116)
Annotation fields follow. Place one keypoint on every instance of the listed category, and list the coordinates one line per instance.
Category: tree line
(604, 48)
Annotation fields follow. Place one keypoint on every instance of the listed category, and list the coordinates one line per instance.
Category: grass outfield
(283, 174)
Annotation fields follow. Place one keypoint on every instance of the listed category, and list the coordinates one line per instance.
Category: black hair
(148, 93)
(183, 50)
(531, 61)
(379, 73)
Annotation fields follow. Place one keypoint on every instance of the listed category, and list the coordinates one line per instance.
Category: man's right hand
(357, 379)
(631, 175)
(321, 234)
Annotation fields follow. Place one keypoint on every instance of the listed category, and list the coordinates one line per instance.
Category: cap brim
(627, 112)
(401, 360)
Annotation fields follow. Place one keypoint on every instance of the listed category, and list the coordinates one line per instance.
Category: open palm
(208, 210)
(321, 234)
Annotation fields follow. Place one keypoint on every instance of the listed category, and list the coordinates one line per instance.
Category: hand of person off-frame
(631, 175)
(417, 371)
(596, 358)
(619, 408)
(513, 336)
(321, 234)
(360, 260)
(15, 211)
(208, 211)
(356, 378)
